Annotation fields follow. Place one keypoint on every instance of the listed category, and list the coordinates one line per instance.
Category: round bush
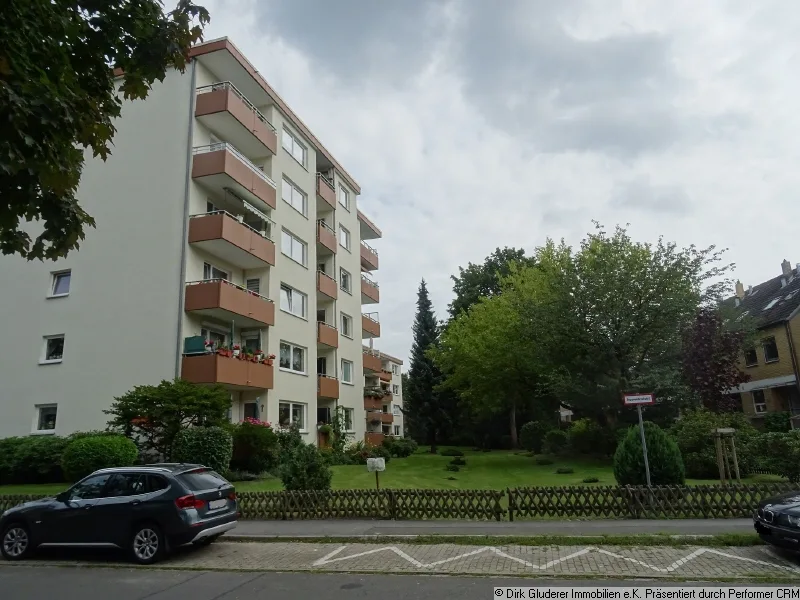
(555, 441)
(458, 461)
(306, 470)
(86, 454)
(531, 435)
(400, 447)
(454, 468)
(586, 436)
(564, 470)
(255, 448)
(209, 446)
(451, 452)
(543, 460)
(664, 458)
(32, 459)
(590, 480)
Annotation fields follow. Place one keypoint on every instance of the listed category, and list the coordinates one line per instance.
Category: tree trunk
(513, 425)
(432, 440)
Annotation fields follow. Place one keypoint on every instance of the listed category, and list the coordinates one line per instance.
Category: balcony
(223, 235)
(369, 257)
(326, 285)
(368, 229)
(385, 375)
(373, 404)
(230, 372)
(326, 194)
(387, 418)
(226, 301)
(327, 335)
(221, 167)
(369, 291)
(372, 363)
(326, 237)
(373, 439)
(327, 387)
(224, 110)
(370, 327)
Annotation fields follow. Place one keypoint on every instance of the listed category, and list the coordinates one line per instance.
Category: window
(397, 429)
(293, 302)
(344, 197)
(759, 402)
(126, 484)
(750, 357)
(291, 413)
(347, 414)
(254, 285)
(46, 417)
(60, 284)
(772, 303)
(347, 371)
(347, 325)
(344, 237)
(293, 147)
(293, 247)
(345, 281)
(53, 351)
(395, 389)
(212, 272)
(292, 358)
(770, 350)
(250, 410)
(292, 195)
(251, 341)
(90, 488)
(217, 337)
(395, 369)
(396, 410)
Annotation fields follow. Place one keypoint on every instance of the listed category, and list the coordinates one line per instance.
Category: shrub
(586, 436)
(531, 435)
(693, 433)
(400, 447)
(208, 446)
(88, 453)
(242, 476)
(458, 461)
(590, 480)
(32, 459)
(664, 458)
(289, 440)
(451, 452)
(777, 422)
(781, 453)
(554, 441)
(255, 448)
(306, 470)
(360, 452)
(543, 460)
(564, 470)
(451, 478)
(454, 468)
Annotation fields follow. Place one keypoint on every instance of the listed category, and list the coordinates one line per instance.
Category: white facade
(132, 288)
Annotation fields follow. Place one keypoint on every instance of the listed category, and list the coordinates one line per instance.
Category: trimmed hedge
(32, 459)
(663, 457)
(450, 452)
(255, 448)
(209, 446)
(86, 454)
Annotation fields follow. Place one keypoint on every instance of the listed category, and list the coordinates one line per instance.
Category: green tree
(153, 415)
(663, 458)
(58, 97)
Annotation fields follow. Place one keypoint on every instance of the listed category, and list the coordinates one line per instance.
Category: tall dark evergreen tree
(427, 420)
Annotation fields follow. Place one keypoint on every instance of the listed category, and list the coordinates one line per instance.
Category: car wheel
(15, 543)
(147, 544)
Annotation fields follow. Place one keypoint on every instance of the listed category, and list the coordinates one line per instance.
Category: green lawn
(491, 470)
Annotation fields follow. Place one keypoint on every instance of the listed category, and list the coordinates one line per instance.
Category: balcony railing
(266, 234)
(368, 247)
(373, 316)
(245, 161)
(327, 386)
(327, 285)
(227, 85)
(369, 281)
(230, 283)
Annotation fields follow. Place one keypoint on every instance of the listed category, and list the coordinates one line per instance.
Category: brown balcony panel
(222, 169)
(373, 439)
(387, 418)
(385, 375)
(372, 364)
(234, 242)
(369, 293)
(327, 285)
(327, 335)
(372, 404)
(231, 372)
(369, 258)
(326, 238)
(222, 301)
(327, 387)
(369, 328)
(326, 193)
(227, 115)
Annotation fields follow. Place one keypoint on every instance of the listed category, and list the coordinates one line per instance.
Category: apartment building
(383, 395)
(772, 362)
(224, 228)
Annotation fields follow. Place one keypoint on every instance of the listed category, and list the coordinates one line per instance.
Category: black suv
(144, 510)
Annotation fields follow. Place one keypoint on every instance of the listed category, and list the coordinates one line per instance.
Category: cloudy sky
(473, 124)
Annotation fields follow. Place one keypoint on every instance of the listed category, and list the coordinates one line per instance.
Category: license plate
(217, 504)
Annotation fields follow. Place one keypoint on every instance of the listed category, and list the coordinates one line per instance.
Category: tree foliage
(306, 469)
(209, 446)
(663, 458)
(58, 97)
(153, 415)
(87, 454)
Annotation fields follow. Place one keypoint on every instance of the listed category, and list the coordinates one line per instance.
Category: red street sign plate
(638, 399)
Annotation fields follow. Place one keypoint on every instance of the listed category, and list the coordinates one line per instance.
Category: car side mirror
(63, 497)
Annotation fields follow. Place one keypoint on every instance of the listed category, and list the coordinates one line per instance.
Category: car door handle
(87, 507)
(136, 503)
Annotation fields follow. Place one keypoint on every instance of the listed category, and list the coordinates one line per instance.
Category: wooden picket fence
(601, 502)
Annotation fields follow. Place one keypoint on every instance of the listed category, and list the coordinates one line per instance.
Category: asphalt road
(46, 583)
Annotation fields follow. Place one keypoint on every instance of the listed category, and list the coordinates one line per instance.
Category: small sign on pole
(639, 400)
(376, 465)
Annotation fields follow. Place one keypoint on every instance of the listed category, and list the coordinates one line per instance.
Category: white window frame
(349, 362)
(396, 410)
(292, 348)
(395, 389)
(211, 268)
(208, 328)
(395, 369)
(397, 430)
(352, 413)
(294, 239)
(342, 328)
(756, 405)
(764, 350)
(294, 191)
(343, 194)
(292, 292)
(349, 277)
(43, 360)
(54, 281)
(292, 145)
(37, 416)
(292, 405)
(344, 236)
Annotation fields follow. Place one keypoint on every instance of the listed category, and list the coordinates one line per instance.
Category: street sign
(376, 464)
(638, 399)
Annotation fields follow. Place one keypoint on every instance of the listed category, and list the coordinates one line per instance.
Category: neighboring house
(383, 395)
(772, 362)
(221, 220)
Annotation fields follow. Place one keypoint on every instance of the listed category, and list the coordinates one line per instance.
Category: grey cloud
(641, 195)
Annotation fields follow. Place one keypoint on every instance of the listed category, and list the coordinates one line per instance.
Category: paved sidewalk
(357, 528)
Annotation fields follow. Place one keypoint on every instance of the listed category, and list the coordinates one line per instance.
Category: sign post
(377, 465)
(638, 400)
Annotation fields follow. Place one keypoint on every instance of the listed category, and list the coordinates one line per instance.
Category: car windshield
(202, 480)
